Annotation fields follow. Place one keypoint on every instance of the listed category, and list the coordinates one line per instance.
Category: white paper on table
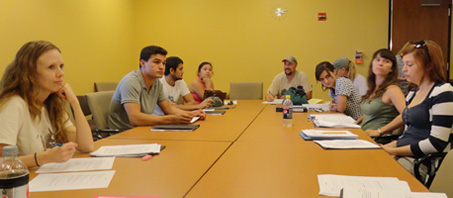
(333, 121)
(276, 101)
(131, 150)
(209, 109)
(71, 181)
(331, 185)
(78, 164)
(346, 144)
(317, 107)
(329, 134)
(194, 119)
(373, 193)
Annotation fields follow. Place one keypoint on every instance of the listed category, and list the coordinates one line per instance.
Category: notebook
(175, 127)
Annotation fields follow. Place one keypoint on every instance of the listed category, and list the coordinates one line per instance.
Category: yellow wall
(101, 39)
(245, 43)
(96, 37)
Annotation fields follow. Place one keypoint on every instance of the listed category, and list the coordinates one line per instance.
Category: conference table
(227, 127)
(269, 160)
(243, 153)
(169, 174)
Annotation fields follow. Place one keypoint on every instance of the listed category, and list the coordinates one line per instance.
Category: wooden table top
(244, 153)
(170, 174)
(227, 127)
(269, 160)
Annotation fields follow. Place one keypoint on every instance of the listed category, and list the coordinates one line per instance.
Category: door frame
(448, 55)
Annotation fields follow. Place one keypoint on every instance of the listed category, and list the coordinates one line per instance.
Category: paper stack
(333, 121)
(322, 134)
(346, 144)
(370, 187)
(132, 150)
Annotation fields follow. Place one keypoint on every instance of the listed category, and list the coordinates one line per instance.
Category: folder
(215, 112)
(316, 134)
(175, 127)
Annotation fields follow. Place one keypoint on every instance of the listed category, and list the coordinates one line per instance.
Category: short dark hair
(172, 62)
(150, 50)
(323, 66)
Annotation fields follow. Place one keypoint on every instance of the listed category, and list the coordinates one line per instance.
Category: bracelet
(36, 160)
(379, 130)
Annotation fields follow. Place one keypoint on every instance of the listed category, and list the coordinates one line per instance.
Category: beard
(175, 78)
(288, 72)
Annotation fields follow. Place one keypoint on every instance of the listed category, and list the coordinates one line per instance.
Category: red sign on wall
(322, 16)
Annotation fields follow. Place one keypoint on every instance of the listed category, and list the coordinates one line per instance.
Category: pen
(55, 144)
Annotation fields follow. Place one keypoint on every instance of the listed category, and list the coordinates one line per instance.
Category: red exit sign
(322, 16)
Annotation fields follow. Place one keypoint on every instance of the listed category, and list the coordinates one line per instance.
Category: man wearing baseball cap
(290, 77)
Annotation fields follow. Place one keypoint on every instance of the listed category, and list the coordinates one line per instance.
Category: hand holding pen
(59, 153)
(269, 96)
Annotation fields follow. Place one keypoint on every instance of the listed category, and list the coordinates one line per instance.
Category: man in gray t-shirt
(138, 93)
(290, 77)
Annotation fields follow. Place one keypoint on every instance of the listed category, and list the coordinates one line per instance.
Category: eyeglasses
(421, 44)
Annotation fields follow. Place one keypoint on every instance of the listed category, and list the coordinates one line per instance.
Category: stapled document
(71, 181)
(132, 150)
(78, 164)
(333, 121)
(276, 101)
(323, 134)
(373, 193)
(331, 185)
(346, 144)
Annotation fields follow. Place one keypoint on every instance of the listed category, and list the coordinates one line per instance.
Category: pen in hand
(55, 144)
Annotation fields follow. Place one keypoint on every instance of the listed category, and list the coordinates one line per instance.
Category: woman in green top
(384, 99)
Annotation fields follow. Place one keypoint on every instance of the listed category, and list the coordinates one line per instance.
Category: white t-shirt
(19, 128)
(280, 82)
(360, 84)
(172, 92)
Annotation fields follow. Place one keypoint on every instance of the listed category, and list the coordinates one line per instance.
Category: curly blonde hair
(20, 78)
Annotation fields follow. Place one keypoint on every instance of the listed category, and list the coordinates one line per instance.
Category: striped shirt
(429, 124)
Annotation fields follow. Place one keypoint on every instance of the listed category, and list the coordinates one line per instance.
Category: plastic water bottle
(14, 175)
(287, 112)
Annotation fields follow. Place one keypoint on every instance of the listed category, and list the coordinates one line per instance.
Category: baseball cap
(291, 59)
(341, 62)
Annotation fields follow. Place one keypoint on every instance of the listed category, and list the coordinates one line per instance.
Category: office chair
(86, 112)
(433, 162)
(443, 182)
(246, 90)
(99, 103)
(105, 86)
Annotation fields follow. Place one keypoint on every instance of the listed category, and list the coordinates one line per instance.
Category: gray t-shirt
(132, 89)
(280, 82)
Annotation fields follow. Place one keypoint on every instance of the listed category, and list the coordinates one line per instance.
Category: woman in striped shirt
(429, 113)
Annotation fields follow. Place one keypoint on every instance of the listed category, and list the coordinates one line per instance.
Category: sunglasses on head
(422, 45)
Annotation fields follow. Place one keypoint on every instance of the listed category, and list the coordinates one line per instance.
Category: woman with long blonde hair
(33, 96)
